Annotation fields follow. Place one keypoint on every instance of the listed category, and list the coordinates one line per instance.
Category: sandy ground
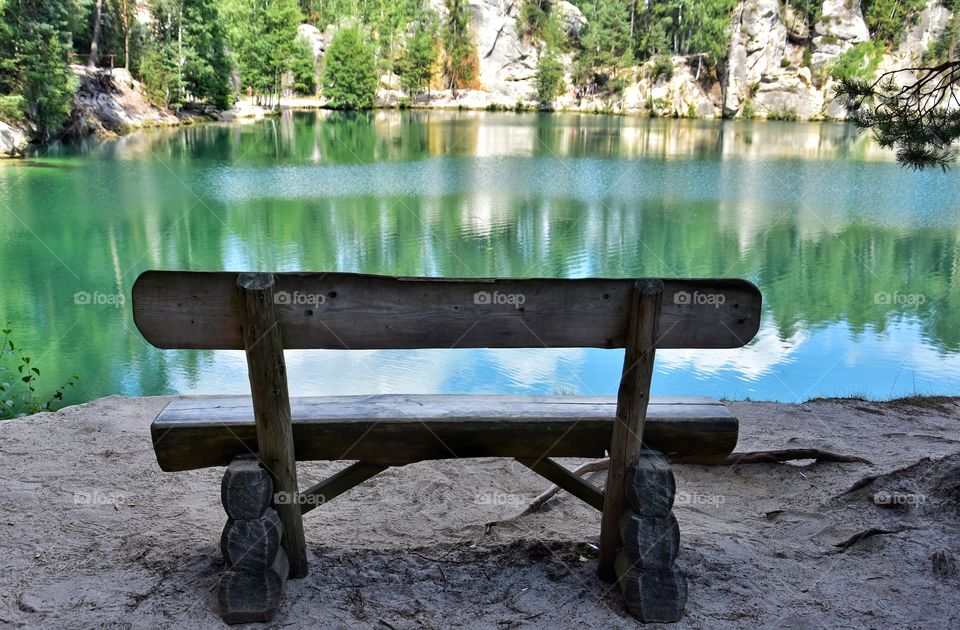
(93, 534)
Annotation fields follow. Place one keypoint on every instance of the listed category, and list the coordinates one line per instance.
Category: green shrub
(11, 108)
(19, 382)
(304, 69)
(662, 69)
(350, 71)
(860, 62)
(889, 20)
(783, 114)
(549, 77)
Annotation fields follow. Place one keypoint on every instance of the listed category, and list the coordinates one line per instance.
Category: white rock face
(316, 38)
(840, 27)
(931, 23)
(508, 64)
(572, 20)
(758, 43)
(12, 141)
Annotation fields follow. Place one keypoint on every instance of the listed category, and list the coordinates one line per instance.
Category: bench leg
(267, 370)
(654, 589)
(257, 565)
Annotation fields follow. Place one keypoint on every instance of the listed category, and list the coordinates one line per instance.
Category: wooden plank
(628, 428)
(271, 406)
(175, 309)
(335, 485)
(432, 427)
(560, 476)
(246, 489)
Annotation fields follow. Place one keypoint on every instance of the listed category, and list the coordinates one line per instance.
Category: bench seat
(391, 429)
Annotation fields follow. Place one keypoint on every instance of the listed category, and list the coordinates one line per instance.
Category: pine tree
(350, 71)
(415, 65)
(457, 46)
(34, 42)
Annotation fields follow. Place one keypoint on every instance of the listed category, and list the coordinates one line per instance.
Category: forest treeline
(203, 53)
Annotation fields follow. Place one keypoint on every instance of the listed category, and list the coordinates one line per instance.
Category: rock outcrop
(112, 102)
(13, 140)
(758, 43)
(840, 27)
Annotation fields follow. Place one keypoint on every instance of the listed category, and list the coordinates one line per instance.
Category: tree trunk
(126, 37)
(95, 38)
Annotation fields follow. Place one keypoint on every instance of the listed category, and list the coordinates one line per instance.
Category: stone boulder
(317, 39)
(13, 140)
(758, 43)
(110, 102)
(840, 27)
(788, 93)
(572, 20)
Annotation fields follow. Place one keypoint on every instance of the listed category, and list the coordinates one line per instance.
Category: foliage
(34, 41)
(18, 390)
(945, 45)
(549, 78)
(532, 18)
(415, 65)
(918, 117)
(11, 108)
(662, 69)
(889, 20)
(350, 71)
(304, 68)
(161, 75)
(458, 48)
(858, 63)
(263, 36)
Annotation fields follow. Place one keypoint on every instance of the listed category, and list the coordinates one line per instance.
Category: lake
(857, 258)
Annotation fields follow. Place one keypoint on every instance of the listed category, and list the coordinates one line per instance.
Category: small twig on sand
(787, 454)
(751, 457)
(867, 533)
(580, 471)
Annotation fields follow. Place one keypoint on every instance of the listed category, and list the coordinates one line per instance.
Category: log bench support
(257, 565)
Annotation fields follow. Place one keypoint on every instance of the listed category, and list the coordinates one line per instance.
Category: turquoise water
(857, 258)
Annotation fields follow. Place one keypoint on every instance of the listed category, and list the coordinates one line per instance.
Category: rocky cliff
(778, 65)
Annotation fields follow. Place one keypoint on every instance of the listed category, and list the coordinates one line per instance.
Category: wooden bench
(260, 438)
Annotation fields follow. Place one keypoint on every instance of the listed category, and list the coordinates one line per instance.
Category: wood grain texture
(179, 309)
(652, 542)
(652, 595)
(633, 397)
(650, 486)
(247, 489)
(251, 545)
(335, 485)
(271, 405)
(561, 476)
(253, 597)
(192, 433)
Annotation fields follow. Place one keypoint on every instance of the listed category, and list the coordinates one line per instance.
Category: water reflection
(821, 219)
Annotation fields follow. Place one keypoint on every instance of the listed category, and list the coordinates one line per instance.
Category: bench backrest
(201, 310)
